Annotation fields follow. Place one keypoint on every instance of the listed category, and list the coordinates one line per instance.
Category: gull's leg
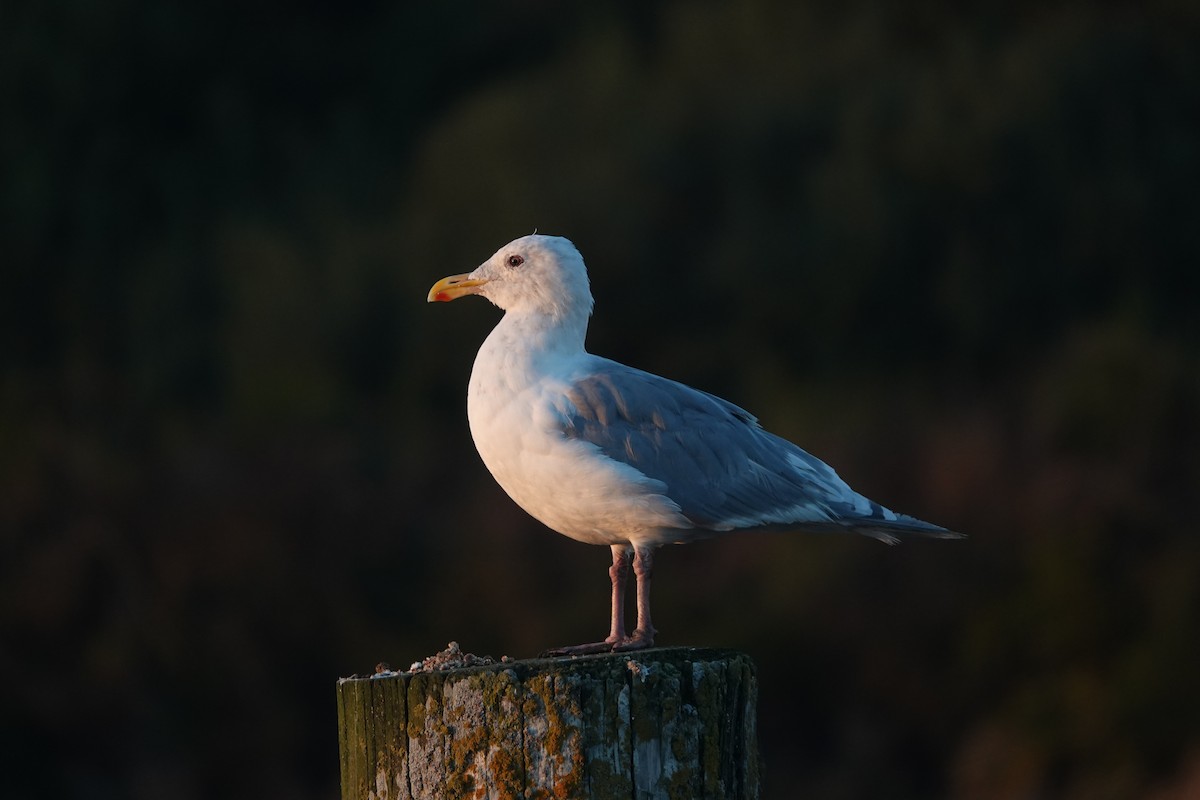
(617, 574)
(616, 632)
(643, 634)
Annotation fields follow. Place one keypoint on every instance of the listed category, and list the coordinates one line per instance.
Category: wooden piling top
(662, 723)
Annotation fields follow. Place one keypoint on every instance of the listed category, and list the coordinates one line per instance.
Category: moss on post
(657, 724)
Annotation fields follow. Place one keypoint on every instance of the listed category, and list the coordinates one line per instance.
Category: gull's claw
(637, 641)
(580, 650)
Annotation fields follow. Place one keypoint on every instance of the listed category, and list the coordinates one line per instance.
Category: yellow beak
(454, 287)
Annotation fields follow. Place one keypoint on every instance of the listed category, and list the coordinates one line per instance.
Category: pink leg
(617, 573)
(616, 632)
(643, 569)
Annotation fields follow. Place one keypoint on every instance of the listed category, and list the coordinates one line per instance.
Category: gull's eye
(515, 261)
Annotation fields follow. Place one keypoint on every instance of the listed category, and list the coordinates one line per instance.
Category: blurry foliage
(951, 250)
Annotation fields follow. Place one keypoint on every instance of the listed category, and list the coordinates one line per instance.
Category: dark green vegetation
(952, 252)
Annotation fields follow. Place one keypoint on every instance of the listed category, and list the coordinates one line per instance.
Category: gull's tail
(891, 531)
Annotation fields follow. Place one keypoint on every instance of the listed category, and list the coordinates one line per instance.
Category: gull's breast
(568, 485)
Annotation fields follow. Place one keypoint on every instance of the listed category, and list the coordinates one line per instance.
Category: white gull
(608, 454)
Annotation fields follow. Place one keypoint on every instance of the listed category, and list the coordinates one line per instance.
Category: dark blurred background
(952, 249)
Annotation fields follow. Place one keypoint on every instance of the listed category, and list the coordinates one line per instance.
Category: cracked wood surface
(656, 724)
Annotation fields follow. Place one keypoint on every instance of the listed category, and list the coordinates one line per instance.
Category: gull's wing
(723, 470)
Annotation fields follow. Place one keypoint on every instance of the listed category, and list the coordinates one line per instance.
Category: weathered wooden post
(661, 723)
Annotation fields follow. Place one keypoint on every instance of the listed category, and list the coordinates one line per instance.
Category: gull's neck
(536, 334)
(525, 346)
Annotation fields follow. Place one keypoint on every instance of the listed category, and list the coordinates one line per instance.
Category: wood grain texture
(658, 724)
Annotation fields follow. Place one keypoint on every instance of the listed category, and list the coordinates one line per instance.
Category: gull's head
(531, 275)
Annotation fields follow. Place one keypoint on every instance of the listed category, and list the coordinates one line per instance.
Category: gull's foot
(638, 641)
(579, 650)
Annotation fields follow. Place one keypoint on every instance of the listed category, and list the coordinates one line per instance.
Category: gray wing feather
(721, 468)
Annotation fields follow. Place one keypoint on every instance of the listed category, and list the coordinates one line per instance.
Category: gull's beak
(454, 287)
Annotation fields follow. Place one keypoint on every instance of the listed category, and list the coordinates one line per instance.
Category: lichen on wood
(653, 725)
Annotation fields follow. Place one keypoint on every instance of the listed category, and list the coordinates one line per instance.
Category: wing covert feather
(722, 469)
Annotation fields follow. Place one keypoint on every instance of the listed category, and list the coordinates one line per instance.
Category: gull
(612, 455)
